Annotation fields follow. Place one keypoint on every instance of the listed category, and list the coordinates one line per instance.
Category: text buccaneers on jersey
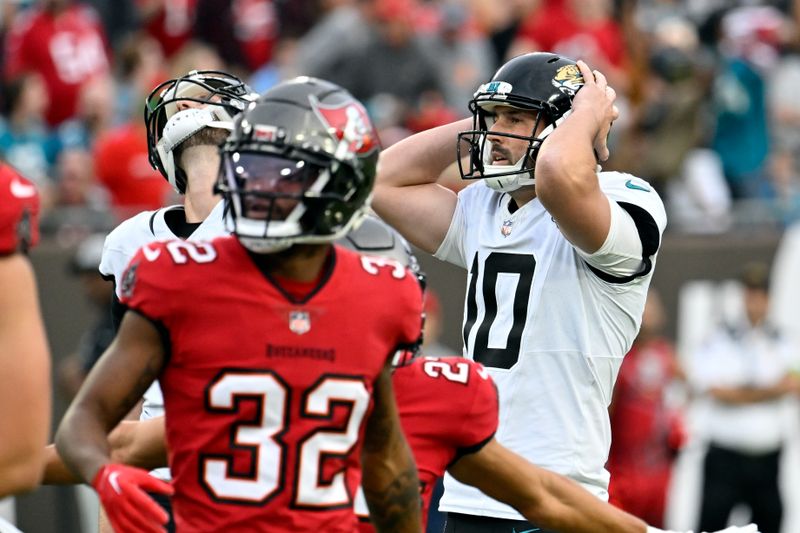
(266, 395)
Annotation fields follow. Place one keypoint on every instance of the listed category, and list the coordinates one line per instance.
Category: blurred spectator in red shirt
(583, 29)
(646, 431)
(170, 22)
(122, 166)
(64, 42)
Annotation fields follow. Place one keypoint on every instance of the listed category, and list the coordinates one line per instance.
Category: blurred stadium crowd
(707, 87)
(710, 115)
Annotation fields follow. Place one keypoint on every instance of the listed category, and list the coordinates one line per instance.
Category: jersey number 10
(498, 263)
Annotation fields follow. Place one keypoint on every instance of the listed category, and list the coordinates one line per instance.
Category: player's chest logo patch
(505, 229)
(299, 322)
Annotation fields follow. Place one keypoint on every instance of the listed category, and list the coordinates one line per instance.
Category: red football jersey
(19, 212)
(448, 407)
(67, 49)
(266, 399)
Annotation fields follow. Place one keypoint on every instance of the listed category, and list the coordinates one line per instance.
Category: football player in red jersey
(274, 397)
(64, 42)
(462, 442)
(24, 354)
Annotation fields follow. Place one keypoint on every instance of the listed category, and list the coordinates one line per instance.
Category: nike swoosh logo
(112, 480)
(151, 254)
(22, 190)
(631, 185)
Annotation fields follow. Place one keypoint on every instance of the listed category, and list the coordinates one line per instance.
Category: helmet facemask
(181, 127)
(298, 167)
(475, 147)
(276, 200)
(537, 82)
(226, 94)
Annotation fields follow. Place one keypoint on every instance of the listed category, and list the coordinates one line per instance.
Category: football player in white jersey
(187, 119)
(558, 255)
(194, 110)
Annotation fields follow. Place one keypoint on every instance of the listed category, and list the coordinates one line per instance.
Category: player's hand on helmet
(597, 98)
(123, 492)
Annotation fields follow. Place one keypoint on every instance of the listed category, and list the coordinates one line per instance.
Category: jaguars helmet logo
(568, 79)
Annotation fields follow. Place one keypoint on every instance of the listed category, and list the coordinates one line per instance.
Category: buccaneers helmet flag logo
(348, 122)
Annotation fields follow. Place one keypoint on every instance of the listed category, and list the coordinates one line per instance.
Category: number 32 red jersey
(266, 398)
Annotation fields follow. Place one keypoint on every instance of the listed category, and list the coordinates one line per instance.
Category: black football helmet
(227, 94)
(541, 82)
(299, 166)
(374, 237)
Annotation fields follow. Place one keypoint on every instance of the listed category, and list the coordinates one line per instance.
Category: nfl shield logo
(299, 322)
(506, 228)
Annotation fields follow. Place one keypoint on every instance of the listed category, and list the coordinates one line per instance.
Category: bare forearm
(82, 442)
(744, 395)
(139, 443)
(20, 474)
(544, 498)
(24, 378)
(421, 158)
(569, 507)
(391, 488)
(390, 482)
(406, 189)
(55, 471)
(566, 163)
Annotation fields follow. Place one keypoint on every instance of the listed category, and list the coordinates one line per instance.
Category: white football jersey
(148, 226)
(120, 247)
(550, 329)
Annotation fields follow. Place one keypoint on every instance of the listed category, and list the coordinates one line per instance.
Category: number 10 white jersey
(550, 329)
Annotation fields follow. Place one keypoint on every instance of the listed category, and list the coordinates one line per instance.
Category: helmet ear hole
(180, 180)
(333, 216)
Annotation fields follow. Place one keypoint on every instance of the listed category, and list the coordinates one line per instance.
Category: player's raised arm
(390, 482)
(406, 191)
(566, 167)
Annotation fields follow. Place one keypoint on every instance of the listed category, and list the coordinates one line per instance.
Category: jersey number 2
(262, 437)
(498, 263)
